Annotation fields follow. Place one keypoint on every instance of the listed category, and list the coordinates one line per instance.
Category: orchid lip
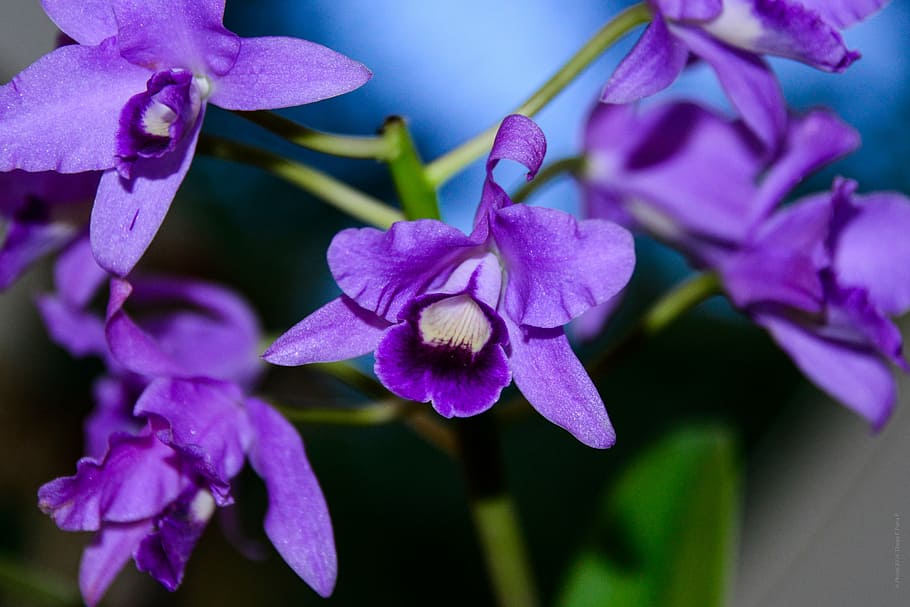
(456, 322)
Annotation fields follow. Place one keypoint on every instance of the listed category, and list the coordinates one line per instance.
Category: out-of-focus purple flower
(41, 212)
(129, 99)
(693, 178)
(453, 319)
(183, 360)
(823, 276)
(731, 36)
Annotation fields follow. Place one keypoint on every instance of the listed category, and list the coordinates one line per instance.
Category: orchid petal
(690, 10)
(557, 266)
(136, 480)
(128, 213)
(114, 399)
(62, 112)
(130, 345)
(337, 331)
(87, 22)
(748, 82)
(213, 332)
(105, 557)
(854, 376)
(814, 140)
(26, 243)
(873, 250)
(81, 333)
(556, 384)
(297, 520)
(77, 275)
(283, 72)
(383, 271)
(166, 34)
(205, 421)
(786, 29)
(844, 13)
(654, 63)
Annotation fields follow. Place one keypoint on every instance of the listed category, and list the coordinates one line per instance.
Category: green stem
(338, 194)
(416, 192)
(443, 168)
(347, 146)
(354, 377)
(673, 304)
(573, 165)
(493, 513)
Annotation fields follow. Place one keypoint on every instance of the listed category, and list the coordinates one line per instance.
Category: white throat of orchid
(737, 25)
(455, 322)
(202, 507)
(157, 119)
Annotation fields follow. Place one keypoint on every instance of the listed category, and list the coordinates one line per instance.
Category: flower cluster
(173, 424)
(114, 116)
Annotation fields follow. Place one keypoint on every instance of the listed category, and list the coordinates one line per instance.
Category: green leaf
(666, 534)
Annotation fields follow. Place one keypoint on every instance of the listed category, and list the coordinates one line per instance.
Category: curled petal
(205, 421)
(136, 480)
(283, 72)
(557, 266)
(297, 520)
(337, 331)
(553, 380)
(62, 112)
(383, 271)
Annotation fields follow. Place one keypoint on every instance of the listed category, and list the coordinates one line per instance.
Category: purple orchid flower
(184, 365)
(453, 319)
(695, 179)
(130, 97)
(39, 210)
(823, 276)
(730, 36)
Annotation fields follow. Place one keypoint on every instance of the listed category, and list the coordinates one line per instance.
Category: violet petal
(87, 22)
(652, 65)
(844, 13)
(383, 271)
(297, 520)
(556, 384)
(278, 72)
(103, 559)
(337, 331)
(63, 111)
(177, 34)
(557, 266)
(128, 213)
(857, 377)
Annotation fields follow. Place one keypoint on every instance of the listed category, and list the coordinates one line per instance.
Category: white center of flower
(157, 120)
(737, 25)
(456, 322)
(202, 507)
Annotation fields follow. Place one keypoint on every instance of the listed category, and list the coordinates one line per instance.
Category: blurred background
(823, 498)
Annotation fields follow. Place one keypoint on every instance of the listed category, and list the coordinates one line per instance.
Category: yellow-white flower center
(456, 322)
(157, 120)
